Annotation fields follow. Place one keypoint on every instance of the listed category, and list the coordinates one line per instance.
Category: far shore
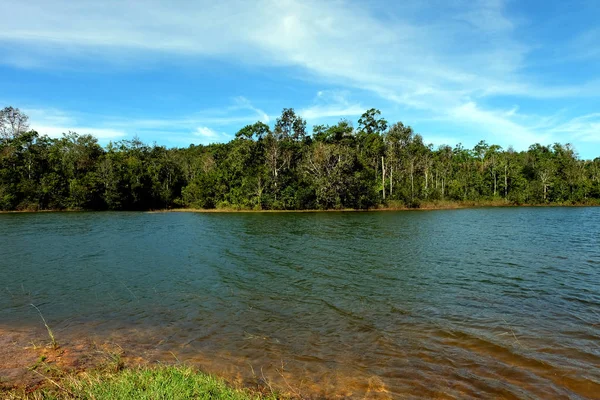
(425, 206)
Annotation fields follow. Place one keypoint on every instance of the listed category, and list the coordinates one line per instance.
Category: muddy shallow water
(456, 303)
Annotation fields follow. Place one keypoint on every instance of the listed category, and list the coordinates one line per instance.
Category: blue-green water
(462, 303)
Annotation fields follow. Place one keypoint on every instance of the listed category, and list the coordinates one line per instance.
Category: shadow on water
(461, 303)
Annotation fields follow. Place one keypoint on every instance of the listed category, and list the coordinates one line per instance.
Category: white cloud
(487, 17)
(468, 48)
(337, 40)
(50, 116)
(206, 132)
(331, 103)
(190, 128)
(99, 133)
(585, 45)
(202, 135)
(54, 122)
(442, 58)
(244, 103)
(316, 113)
(585, 128)
(505, 131)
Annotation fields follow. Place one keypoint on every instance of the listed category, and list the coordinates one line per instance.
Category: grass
(50, 333)
(164, 382)
(109, 379)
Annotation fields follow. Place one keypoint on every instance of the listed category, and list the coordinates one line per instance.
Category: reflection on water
(461, 303)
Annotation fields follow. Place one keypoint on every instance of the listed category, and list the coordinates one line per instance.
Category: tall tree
(12, 123)
(282, 168)
(290, 126)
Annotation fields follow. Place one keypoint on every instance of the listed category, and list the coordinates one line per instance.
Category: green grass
(165, 382)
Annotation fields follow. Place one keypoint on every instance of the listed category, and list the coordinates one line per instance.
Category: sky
(175, 72)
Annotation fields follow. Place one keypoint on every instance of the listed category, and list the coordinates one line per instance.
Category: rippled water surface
(501, 302)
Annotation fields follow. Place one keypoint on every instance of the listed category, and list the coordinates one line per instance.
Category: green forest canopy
(282, 167)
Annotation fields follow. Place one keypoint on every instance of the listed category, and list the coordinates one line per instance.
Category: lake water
(500, 302)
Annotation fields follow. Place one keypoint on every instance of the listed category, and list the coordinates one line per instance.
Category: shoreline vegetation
(85, 369)
(428, 206)
(391, 207)
(373, 166)
(155, 382)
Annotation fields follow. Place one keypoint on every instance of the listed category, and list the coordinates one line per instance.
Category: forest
(373, 165)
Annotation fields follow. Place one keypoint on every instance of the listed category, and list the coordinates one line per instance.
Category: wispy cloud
(199, 127)
(244, 103)
(444, 59)
(206, 135)
(331, 103)
(101, 134)
(505, 131)
(585, 128)
(584, 46)
(338, 40)
(54, 122)
(206, 132)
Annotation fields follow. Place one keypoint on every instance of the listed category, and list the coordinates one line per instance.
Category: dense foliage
(282, 168)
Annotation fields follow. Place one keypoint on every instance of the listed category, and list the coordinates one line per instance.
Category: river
(492, 302)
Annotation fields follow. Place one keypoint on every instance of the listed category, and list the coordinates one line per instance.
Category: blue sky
(175, 72)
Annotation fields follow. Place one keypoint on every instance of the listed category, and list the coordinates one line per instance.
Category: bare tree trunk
(412, 179)
(259, 192)
(391, 181)
(505, 180)
(443, 179)
(383, 176)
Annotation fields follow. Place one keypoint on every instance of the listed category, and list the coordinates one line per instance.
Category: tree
(542, 167)
(342, 131)
(12, 123)
(443, 168)
(370, 141)
(370, 123)
(398, 139)
(463, 162)
(278, 158)
(492, 157)
(336, 167)
(290, 126)
(256, 131)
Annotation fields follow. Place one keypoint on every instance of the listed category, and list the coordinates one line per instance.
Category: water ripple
(455, 304)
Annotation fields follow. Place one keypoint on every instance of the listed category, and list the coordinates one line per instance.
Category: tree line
(282, 167)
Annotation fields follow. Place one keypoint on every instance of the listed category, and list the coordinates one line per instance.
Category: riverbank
(88, 370)
(390, 206)
(31, 367)
(161, 382)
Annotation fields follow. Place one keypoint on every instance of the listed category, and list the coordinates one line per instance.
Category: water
(501, 302)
